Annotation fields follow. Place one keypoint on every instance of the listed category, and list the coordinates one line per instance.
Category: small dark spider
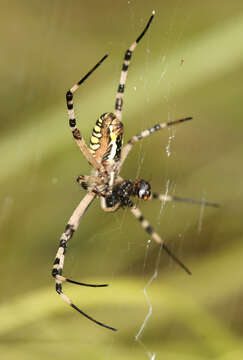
(106, 155)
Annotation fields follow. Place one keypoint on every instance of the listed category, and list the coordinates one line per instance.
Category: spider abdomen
(106, 139)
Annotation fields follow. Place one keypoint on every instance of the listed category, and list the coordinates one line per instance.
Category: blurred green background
(189, 63)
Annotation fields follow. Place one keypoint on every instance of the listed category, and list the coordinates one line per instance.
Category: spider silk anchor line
(106, 156)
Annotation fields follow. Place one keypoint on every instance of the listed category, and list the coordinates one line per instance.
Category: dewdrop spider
(106, 155)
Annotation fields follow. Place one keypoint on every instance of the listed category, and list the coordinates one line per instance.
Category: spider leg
(145, 224)
(84, 180)
(128, 147)
(166, 198)
(59, 260)
(72, 121)
(126, 63)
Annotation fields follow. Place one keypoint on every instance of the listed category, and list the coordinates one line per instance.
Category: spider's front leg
(72, 121)
(59, 260)
(125, 66)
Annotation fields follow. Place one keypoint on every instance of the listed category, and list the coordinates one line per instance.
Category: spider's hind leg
(145, 224)
(60, 256)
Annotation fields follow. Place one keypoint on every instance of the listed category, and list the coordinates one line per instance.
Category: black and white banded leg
(125, 65)
(145, 224)
(85, 180)
(128, 147)
(58, 265)
(167, 198)
(72, 121)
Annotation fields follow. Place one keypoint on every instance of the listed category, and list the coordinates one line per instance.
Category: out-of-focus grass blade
(187, 302)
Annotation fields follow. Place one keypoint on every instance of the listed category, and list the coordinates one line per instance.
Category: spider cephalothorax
(106, 156)
(122, 193)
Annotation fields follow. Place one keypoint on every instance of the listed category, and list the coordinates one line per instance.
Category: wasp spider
(106, 155)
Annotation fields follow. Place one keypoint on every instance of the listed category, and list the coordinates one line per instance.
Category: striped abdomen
(106, 140)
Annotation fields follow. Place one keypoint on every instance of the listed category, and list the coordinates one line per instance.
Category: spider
(106, 156)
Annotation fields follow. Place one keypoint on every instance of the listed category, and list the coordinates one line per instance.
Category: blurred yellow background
(189, 64)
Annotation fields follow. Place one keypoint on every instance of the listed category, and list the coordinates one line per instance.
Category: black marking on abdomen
(119, 147)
